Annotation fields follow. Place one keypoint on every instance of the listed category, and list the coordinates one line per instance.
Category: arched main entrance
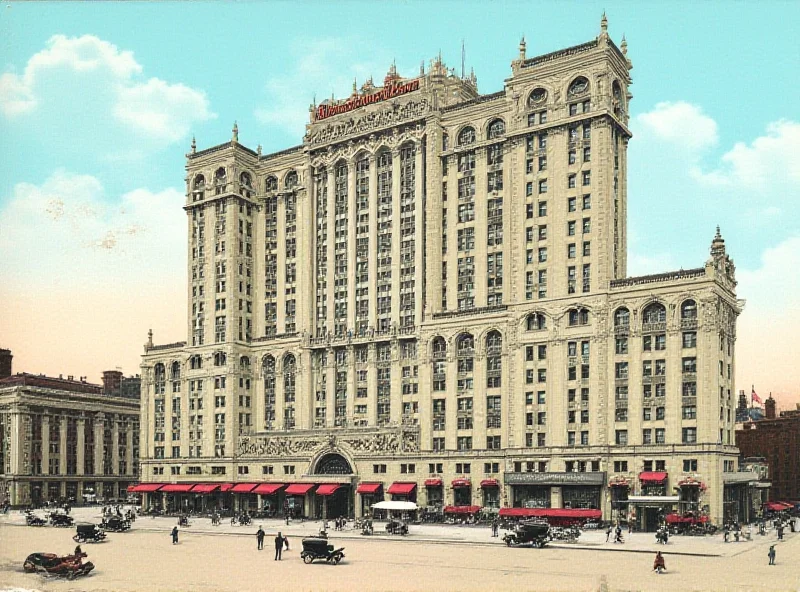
(339, 502)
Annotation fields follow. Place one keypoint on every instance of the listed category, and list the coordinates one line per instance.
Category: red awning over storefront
(243, 487)
(369, 487)
(401, 488)
(205, 487)
(327, 488)
(777, 506)
(145, 487)
(226, 487)
(267, 488)
(490, 483)
(678, 519)
(177, 487)
(433, 482)
(462, 509)
(461, 483)
(581, 513)
(299, 488)
(652, 476)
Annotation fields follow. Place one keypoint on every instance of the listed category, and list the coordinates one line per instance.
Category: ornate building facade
(428, 298)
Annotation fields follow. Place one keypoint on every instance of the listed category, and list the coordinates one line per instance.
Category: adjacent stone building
(62, 438)
(428, 298)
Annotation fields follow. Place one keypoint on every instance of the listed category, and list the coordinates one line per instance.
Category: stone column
(451, 404)
(556, 501)
(306, 255)
(62, 451)
(99, 423)
(330, 388)
(351, 245)
(480, 228)
(45, 450)
(425, 398)
(396, 390)
(372, 385)
(129, 447)
(279, 394)
(115, 443)
(479, 394)
(419, 236)
(352, 387)
(331, 279)
(372, 251)
(396, 232)
(281, 270)
(80, 446)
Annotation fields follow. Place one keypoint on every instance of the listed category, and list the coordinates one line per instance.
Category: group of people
(281, 542)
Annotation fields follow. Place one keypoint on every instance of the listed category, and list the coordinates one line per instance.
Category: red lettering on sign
(387, 92)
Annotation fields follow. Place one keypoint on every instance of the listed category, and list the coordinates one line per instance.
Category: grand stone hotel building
(428, 298)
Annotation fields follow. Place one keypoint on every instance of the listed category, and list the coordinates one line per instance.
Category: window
(543, 186)
(689, 412)
(492, 442)
(689, 365)
(690, 465)
(587, 225)
(621, 370)
(660, 436)
(646, 413)
(541, 418)
(647, 435)
(267, 470)
(243, 470)
(688, 435)
(571, 157)
(586, 178)
(464, 443)
(620, 466)
(621, 437)
(689, 339)
(621, 345)
(381, 468)
(571, 182)
(218, 470)
(463, 468)
(466, 136)
(571, 228)
(408, 468)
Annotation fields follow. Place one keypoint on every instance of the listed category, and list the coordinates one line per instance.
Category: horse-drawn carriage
(537, 534)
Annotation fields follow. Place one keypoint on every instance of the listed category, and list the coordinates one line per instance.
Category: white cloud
(152, 109)
(681, 124)
(773, 157)
(320, 66)
(68, 231)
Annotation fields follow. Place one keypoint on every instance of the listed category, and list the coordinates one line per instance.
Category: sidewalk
(708, 546)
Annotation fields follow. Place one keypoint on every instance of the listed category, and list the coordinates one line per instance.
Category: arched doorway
(340, 501)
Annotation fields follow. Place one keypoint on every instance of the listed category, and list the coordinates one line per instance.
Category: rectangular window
(689, 435)
(621, 437)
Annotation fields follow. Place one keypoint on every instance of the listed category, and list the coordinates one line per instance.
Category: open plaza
(430, 557)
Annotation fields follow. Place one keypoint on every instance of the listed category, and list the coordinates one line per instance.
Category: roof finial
(624, 45)
(194, 145)
(355, 86)
(422, 68)
(604, 23)
(522, 46)
(150, 338)
(718, 235)
(235, 137)
(259, 150)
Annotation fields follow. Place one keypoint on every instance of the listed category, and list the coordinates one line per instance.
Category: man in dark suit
(278, 546)
(260, 538)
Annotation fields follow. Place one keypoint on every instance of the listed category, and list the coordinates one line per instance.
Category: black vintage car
(61, 520)
(396, 527)
(89, 533)
(32, 519)
(537, 534)
(115, 524)
(317, 548)
(68, 566)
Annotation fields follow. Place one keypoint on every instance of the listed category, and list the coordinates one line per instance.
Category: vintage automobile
(535, 533)
(89, 533)
(318, 548)
(115, 524)
(32, 519)
(62, 520)
(397, 527)
(67, 566)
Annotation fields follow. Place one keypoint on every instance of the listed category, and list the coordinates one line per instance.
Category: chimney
(769, 407)
(70, 377)
(5, 363)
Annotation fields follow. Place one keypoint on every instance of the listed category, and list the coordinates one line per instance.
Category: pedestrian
(278, 546)
(609, 530)
(260, 538)
(771, 555)
(174, 535)
(658, 564)
(78, 551)
(495, 527)
(286, 543)
(780, 532)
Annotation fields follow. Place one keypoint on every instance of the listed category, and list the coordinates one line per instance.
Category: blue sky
(98, 103)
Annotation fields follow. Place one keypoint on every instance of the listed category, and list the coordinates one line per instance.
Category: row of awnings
(396, 488)
(577, 513)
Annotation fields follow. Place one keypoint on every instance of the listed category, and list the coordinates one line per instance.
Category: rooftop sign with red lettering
(394, 89)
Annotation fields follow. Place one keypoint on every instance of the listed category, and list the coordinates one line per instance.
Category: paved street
(431, 558)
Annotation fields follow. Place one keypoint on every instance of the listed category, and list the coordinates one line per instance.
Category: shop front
(177, 496)
(649, 512)
(370, 494)
(403, 491)
(332, 500)
(462, 492)
(268, 497)
(296, 496)
(491, 494)
(556, 490)
(619, 489)
(434, 490)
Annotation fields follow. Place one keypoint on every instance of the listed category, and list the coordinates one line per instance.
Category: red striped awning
(462, 509)
(178, 487)
(490, 483)
(582, 513)
(226, 487)
(461, 483)
(652, 476)
(433, 482)
(243, 487)
(267, 488)
(327, 488)
(145, 487)
(401, 488)
(205, 487)
(777, 506)
(368, 487)
(299, 488)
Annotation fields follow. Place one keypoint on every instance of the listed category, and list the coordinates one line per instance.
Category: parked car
(67, 566)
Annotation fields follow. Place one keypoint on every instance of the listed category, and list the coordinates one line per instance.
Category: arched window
(537, 97)
(176, 371)
(159, 378)
(535, 321)
(494, 361)
(465, 346)
(689, 309)
(466, 136)
(195, 362)
(220, 359)
(268, 369)
(289, 370)
(578, 86)
(439, 347)
(497, 129)
(246, 180)
(271, 184)
(244, 364)
(439, 355)
(291, 180)
(654, 313)
(220, 175)
(199, 182)
(578, 316)
(622, 317)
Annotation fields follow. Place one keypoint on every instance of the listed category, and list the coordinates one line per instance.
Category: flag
(754, 397)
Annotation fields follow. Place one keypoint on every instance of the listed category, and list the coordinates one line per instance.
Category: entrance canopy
(400, 488)
(490, 483)
(327, 488)
(178, 487)
(299, 488)
(145, 487)
(777, 506)
(396, 506)
(652, 477)
(461, 483)
(433, 482)
(267, 488)
(369, 487)
(653, 500)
